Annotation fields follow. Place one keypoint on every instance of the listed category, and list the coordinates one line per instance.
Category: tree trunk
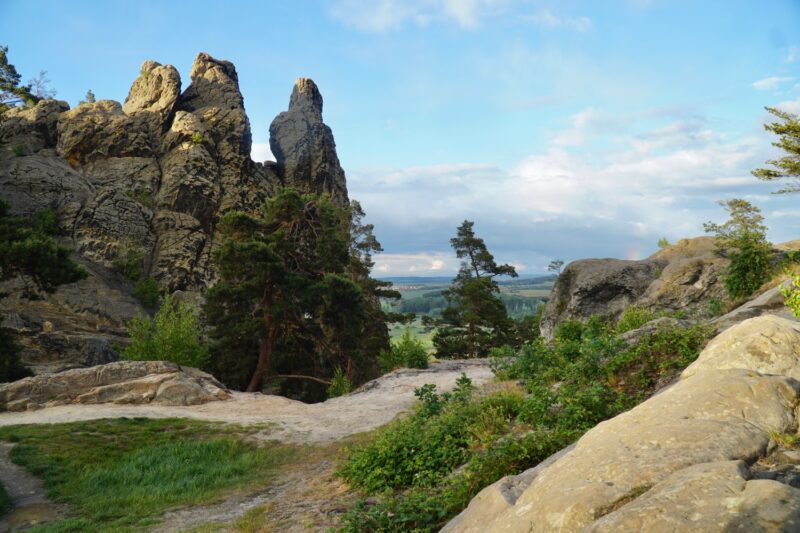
(264, 354)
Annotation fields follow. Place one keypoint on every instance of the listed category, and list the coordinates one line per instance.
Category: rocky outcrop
(683, 277)
(123, 382)
(303, 145)
(696, 457)
(144, 183)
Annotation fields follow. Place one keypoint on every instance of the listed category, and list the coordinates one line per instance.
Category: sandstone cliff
(142, 185)
(702, 455)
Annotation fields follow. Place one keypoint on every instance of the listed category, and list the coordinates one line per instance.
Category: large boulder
(684, 276)
(602, 287)
(123, 382)
(146, 182)
(677, 462)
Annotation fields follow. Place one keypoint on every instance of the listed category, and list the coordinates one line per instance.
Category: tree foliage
(12, 93)
(555, 266)
(29, 250)
(742, 239)
(475, 319)
(173, 334)
(788, 166)
(294, 297)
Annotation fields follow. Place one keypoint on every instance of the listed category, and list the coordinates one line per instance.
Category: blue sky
(563, 129)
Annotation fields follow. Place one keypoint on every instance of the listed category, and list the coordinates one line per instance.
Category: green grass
(5, 501)
(418, 332)
(121, 475)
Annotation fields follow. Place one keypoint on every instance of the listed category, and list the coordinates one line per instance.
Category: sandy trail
(369, 407)
(31, 505)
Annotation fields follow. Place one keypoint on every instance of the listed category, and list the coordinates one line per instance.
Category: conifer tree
(475, 319)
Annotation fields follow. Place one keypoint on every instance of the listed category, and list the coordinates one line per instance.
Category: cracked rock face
(684, 276)
(304, 147)
(148, 179)
(677, 462)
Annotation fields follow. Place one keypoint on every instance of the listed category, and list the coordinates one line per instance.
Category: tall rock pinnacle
(304, 147)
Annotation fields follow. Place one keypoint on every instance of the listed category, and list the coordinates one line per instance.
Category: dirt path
(369, 407)
(307, 498)
(31, 505)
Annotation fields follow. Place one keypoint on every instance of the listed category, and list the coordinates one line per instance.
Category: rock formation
(684, 276)
(699, 456)
(303, 146)
(144, 183)
(123, 382)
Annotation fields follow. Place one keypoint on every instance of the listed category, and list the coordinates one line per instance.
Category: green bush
(406, 352)
(633, 318)
(146, 291)
(129, 261)
(714, 307)
(748, 270)
(172, 335)
(426, 468)
(340, 384)
(792, 295)
(11, 367)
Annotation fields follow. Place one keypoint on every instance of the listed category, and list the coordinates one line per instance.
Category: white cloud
(386, 15)
(261, 152)
(791, 54)
(562, 202)
(419, 264)
(773, 82)
(791, 106)
(547, 19)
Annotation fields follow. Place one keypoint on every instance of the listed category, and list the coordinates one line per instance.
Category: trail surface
(369, 407)
(31, 505)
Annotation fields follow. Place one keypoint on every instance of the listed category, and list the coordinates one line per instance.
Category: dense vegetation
(28, 250)
(173, 334)
(121, 475)
(295, 299)
(427, 467)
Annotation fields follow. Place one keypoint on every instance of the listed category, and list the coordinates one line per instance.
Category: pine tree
(295, 300)
(11, 92)
(788, 166)
(475, 319)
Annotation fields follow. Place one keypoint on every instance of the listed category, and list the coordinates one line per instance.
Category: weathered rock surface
(602, 287)
(771, 302)
(683, 276)
(147, 181)
(303, 145)
(677, 462)
(122, 382)
(767, 344)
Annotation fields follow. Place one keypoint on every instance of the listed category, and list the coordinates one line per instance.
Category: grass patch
(122, 474)
(787, 441)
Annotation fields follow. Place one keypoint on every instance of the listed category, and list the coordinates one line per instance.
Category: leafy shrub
(11, 367)
(172, 335)
(663, 243)
(406, 352)
(633, 318)
(197, 138)
(748, 270)
(19, 151)
(792, 295)
(714, 307)
(340, 384)
(427, 467)
(146, 291)
(129, 261)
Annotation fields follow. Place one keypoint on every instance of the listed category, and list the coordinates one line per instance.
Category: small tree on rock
(742, 239)
(555, 266)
